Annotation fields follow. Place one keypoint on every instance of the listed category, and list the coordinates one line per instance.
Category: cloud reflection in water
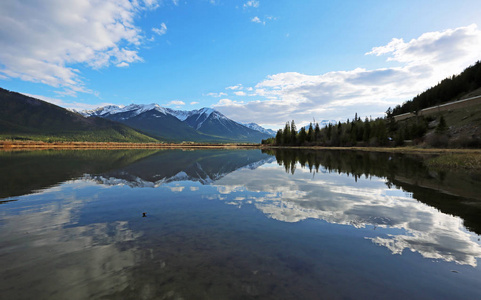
(339, 199)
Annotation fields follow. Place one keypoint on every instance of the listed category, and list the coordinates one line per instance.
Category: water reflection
(298, 224)
(313, 189)
(48, 255)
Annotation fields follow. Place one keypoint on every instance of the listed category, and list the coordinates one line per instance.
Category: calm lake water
(236, 224)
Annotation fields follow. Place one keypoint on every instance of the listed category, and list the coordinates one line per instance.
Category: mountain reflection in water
(72, 227)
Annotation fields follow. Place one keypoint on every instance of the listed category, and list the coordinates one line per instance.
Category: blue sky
(262, 61)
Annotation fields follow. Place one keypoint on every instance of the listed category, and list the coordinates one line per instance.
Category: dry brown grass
(35, 145)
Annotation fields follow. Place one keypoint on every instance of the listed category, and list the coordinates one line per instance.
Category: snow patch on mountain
(135, 109)
(257, 127)
(194, 118)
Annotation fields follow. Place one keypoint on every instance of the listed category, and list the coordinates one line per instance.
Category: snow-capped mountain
(197, 118)
(257, 127)
(132, 109)
(202, 125)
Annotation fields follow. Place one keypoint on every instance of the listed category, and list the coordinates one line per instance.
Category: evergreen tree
(293, 139)
(286, 135)
(442, 127)
(302, 136)
(310, 133)
(279, 137)
(367, 130)
(317, 133)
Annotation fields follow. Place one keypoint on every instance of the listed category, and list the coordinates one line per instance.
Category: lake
(236, 224)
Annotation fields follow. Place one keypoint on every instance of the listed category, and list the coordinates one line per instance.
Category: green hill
(23, 117)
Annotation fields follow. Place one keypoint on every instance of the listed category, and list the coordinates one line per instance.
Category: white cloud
(422, 63)
(240, 93)
(160, 31)
(251, 3)
(257, 20)
(43, 42)
(176, 102)
(235, 87)
(194, 103)
(176, 2)
(216, 95)
(122, 64)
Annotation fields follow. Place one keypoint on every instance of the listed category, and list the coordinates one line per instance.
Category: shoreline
(34, 145)
(408, 149)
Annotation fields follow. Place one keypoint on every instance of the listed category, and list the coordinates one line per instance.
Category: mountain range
(25, 117)
(202, 125)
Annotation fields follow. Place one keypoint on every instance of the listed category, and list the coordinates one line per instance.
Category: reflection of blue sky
(340, 199)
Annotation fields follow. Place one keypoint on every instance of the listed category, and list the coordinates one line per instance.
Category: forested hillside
(447, 90)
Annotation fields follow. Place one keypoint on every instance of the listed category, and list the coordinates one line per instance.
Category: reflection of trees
(26, 171)
(455, 193)
(353, 163)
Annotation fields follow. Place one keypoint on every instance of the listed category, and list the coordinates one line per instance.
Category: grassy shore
(36, 145)
(413, 150)
(469, 161)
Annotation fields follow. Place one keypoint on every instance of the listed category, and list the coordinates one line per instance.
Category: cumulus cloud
(122, 64)
(240, 93)
(43, 42)
(235, 87)
(216, 95)
(160, 31)
(257, 20)
(421, 63)
(194, 103)
(176, 102)
(251, 3)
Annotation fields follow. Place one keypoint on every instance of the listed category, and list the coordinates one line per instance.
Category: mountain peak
(136, 109)
(207, 110)
(201, 123)
(259, 128)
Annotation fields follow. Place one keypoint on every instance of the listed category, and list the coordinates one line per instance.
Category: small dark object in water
(454, 271)
(144, 214)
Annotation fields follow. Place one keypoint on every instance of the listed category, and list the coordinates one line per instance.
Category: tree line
(358, 132)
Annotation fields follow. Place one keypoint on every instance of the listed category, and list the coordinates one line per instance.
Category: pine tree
(302, 136)
(293, 139)
(286, 135)
(442, 127)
